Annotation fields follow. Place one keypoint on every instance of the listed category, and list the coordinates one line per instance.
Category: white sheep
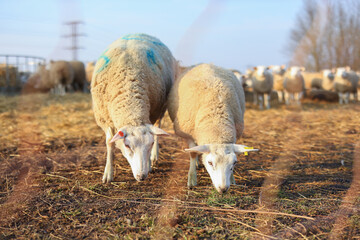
(346, 82)
(207, 107)
(294, 84)
(279, 74)
(129, 88)
(262, 84)
(323, 80)
(61, 77)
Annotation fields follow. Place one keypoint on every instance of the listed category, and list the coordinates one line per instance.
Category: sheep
(278, 75)
(129, 89)
(207, 106)
(262, 84)
(294, 84)
(79, 81)
(61, 76)
(240, 77)
(89, 71)
(323, 80)
(40, 80)
(346, 82)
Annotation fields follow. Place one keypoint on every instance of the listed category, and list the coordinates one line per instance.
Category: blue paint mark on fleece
(150, 56)
(106, 63)
(139, 38)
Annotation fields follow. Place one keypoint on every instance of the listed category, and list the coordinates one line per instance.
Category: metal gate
(15, 70)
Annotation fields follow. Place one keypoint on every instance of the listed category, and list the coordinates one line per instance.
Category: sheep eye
(210, 163)
(127, 146)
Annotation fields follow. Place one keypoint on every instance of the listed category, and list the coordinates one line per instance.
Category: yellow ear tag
(246, 153)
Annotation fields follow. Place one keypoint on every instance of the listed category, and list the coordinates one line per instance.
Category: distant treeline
(326, 35)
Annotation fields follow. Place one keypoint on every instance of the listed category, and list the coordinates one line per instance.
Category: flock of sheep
(291, 84)
(136, 80)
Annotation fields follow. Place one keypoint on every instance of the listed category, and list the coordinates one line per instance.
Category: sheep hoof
(107, 178)
(191, 180)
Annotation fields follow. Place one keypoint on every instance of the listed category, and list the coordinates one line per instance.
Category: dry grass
(302, 184)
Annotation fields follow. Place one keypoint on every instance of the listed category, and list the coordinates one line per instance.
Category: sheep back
(131, 81)
(207, 104)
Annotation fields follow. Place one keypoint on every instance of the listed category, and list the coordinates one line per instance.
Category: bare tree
(325, 35)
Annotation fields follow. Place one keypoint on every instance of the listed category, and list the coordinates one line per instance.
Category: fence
(15, 70)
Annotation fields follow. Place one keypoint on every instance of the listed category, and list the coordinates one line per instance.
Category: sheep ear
(158, 131)
(199, 149)
(255, 68)
(119, 135)
(242, 148)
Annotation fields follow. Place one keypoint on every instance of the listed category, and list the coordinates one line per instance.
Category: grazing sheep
(294, 85)
(89, 71)
(39, 81)
(61, 76)
(346, 82)
(262, 84)
(207, 107)
(278, 74)
(129, 88)
(79, 82)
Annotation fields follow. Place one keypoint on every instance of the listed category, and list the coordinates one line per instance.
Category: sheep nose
(222, 189)
(141, 177)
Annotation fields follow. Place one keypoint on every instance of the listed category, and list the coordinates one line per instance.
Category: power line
(74, 37)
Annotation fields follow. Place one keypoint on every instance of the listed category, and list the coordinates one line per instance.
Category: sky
(233, 34)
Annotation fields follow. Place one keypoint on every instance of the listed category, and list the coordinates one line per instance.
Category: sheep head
(219, 161)
(136, 144)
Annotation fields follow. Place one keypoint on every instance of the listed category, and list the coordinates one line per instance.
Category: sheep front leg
(340, 98)
(155, 149)
(267, 100)
(347, 97)
(280, 96)
(261, 101)
(287, 98)
(192, 181)
(109, 167)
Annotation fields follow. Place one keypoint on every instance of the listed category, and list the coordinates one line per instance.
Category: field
(304, 183)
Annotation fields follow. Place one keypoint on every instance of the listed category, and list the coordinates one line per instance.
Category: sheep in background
(79, 82)
(61, 76)
(294, 85)
(207, 106)
(240, 77)
(262, 84)
(346, 82)
(131, 82)
(278, 74)
(323, 80)
(89, 71)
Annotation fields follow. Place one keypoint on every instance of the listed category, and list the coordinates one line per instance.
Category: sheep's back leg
(109, 167)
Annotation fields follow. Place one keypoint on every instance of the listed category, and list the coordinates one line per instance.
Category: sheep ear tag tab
(247, 153)
(117, 136)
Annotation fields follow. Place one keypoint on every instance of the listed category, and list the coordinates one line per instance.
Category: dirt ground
(304, 183)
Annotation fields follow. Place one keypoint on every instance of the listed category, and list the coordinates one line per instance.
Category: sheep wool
(131, 82)
(207, 104)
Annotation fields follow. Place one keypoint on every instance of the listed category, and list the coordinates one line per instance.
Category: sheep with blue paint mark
(129, 88)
